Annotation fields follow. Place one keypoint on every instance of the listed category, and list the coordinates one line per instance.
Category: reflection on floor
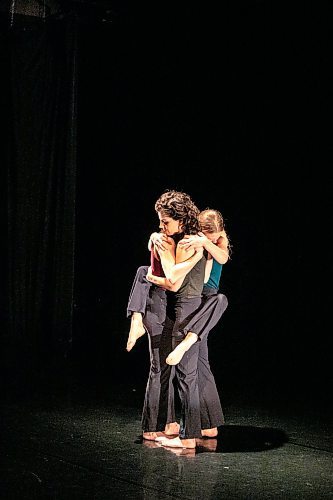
(77, 445)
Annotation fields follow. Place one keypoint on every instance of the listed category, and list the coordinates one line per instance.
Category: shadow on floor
(239, 438)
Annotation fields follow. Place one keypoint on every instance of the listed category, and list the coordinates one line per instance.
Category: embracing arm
(177, 272)
(219, 250)
(163, 282)
(177, 268)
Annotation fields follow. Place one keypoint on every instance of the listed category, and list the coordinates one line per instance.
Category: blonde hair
(211, 221)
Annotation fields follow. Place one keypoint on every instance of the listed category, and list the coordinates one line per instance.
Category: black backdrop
(232, 105)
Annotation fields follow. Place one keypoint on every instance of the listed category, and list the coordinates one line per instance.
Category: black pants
(210, 311)
(150, 300)
(139, 292)
(200, 402)
(158, 407)
(212, 307)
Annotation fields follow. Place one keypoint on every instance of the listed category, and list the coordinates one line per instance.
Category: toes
(130, 345)
(151, 436)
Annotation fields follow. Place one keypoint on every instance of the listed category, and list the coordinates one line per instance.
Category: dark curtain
(41, 196)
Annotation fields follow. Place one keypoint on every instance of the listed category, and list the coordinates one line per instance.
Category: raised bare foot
(178, 443)
(136, 331)
(211, 433)
(176, 355)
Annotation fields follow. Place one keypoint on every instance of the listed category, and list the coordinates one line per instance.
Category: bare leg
(136, 331)
(176, 355)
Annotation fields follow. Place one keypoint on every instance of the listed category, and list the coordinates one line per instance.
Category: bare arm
(219, 250)
(163, 282)
(177, 266)
(180, 270)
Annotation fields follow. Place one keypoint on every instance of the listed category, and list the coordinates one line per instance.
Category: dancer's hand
(193, 241)
(159, 240)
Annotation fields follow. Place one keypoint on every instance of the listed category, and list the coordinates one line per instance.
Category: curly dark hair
(179, 206)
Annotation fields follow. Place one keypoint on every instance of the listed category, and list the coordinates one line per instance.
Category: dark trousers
(139, 292)
(150, 300)
(208, 314)
(211, 413)
(212, 307)
(178, 310)
(158, 407)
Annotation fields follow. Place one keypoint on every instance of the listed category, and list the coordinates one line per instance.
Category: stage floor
(76, 444)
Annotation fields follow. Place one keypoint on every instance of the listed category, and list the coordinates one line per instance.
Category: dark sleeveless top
(194, 280)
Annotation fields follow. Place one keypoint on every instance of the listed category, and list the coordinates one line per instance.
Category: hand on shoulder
(192, 241)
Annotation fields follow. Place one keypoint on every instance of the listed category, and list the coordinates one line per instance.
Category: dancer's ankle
(213, 432)
(189, 340)
(136, 317)
(172, 429)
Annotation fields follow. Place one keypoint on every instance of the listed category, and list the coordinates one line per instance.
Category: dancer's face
(168, 225)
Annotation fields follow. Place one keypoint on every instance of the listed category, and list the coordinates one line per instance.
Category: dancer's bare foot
(176, 355)
(210, 433)
(177, 442)
(136, 331)
(152, 436)
(172, 429)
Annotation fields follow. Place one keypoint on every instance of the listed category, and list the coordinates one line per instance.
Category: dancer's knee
(141, 273)
(222, 301)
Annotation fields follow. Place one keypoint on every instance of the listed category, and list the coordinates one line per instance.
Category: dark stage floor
(73, 444)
